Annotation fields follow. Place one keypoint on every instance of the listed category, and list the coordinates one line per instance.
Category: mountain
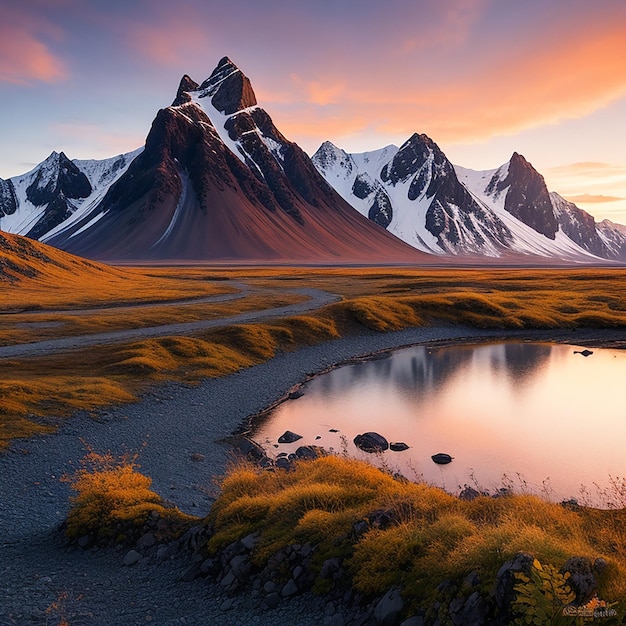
(418, 195)
(56, 193)
(216, 180)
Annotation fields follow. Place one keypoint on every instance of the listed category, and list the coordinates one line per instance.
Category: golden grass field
(36, 392)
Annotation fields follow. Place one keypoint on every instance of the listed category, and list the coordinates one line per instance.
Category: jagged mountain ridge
(217, 180)
(56, 193)
(417, 194)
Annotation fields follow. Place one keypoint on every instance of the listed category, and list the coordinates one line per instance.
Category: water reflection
(535, 415)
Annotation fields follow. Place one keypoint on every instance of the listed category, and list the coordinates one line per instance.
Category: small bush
(113, 500)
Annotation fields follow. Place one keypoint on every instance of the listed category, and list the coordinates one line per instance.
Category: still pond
(536, 418)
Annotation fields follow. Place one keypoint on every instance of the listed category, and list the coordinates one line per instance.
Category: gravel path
(316, 299)
(173, 422)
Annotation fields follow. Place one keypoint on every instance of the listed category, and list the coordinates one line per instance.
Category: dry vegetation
(34, 276)
(113, 501)
(35, 393)
(433, 536)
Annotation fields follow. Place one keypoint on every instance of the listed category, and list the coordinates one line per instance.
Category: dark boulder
(289, 437)
(398, 446)
(469, 493)
(371, 442)
(309, 452)
(582, 578)
(441, 458)
(248, 448)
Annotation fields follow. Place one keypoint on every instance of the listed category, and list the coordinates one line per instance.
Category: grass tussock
(113, 501)
(33, 398)
(430, 536)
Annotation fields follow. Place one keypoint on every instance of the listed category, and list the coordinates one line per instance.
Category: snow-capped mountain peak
(229, 88)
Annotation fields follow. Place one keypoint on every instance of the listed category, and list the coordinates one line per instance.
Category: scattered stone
(131, 558)
(272, 600)
(469, 493)
(389, 607)
(249, 542)
(585, 352)
(290, 589)
(283, 462)
(309, 452)
(371, 442)
(416, 620)
(229, 579)
(333, 430)
(210, 567)
(294, 395)
(441, 458)
(227, 605)
(398, 446)
(146, 541)
(269, 586)
(582, 578)
(248, 448)
(600, 565)
(289, 437)
(164, 552)
(86, 541)
(192, 572)
(506, 580)
(196, 457)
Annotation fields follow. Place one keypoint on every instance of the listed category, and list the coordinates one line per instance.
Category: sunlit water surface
(535, 417)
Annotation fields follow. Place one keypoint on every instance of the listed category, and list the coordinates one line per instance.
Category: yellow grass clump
(431, 536)
(113, 501)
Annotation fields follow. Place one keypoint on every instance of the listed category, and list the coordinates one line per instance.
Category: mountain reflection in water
(537, 417)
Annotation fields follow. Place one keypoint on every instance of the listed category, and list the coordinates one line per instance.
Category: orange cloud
(589, 169)
(24, 55)
(503, 92)
(322, 93)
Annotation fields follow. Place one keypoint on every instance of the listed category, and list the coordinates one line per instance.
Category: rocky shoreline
(179, 432)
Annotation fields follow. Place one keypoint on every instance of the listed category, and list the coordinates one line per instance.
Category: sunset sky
(545, 78)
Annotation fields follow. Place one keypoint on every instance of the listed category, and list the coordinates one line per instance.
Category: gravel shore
(168, 426)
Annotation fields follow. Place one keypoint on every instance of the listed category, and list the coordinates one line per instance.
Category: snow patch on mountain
(44, 188)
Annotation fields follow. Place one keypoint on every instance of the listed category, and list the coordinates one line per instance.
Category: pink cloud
(25, 56)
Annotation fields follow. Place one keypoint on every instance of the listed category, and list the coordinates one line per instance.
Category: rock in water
(289, 437)
(371, 442)
(398, 446)
(441, 458)
(584, 352)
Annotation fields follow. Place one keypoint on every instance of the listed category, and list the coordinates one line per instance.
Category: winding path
(316, 299)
